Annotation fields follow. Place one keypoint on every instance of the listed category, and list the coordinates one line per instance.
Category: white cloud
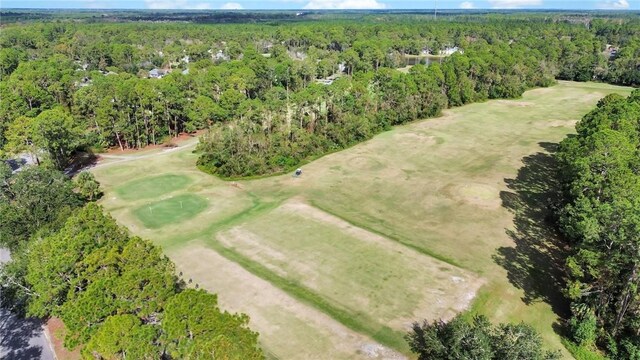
(615, 4)
(513, 4)
(345, 4)
(466, 5)
(176, 4)
(231, 6)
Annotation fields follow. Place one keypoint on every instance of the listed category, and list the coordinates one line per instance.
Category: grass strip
(405, 243)
(359, 321)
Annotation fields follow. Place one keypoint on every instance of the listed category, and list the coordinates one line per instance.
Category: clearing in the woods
(420, 222)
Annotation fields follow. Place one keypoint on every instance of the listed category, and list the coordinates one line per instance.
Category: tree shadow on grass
(536, 263)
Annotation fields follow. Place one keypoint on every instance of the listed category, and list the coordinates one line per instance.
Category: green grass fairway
(419, 222)
(172, 210)
(152, 187)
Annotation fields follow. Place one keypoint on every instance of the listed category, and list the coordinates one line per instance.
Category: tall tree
(479, 339)
(194, 328)
(34, 199)
(58, 134)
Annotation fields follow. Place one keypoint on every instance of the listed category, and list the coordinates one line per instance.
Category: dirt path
(119, 159)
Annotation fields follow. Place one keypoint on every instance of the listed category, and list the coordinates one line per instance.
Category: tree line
(600, 217)
(476, 338)
(118, 295)
(255, 85)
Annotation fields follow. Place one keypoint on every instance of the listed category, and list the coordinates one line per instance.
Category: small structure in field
(611, 51)
(220, 56)
(157, 73)
(450, 51)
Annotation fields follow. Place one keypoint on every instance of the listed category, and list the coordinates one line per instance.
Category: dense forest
(601, 219)
(272, 95)
(118, 296)
(276, 94)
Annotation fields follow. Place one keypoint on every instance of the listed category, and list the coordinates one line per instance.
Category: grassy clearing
(360, 323)
(284, 318)
(365, 272)
(152, 187)
(172, 210)
(466, 191)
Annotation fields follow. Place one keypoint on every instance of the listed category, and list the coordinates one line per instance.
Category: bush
(88, 186)
(585, 330)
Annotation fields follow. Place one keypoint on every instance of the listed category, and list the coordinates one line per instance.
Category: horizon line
(336, 10)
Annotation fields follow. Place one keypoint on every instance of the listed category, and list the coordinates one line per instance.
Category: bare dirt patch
(56, 331)
(290, 329)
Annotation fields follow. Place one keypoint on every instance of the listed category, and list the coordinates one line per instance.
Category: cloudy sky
(324, 4)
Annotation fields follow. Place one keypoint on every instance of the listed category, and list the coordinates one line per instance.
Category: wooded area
(68, 85)
(601, 218)
(271, 96)
(118, 295)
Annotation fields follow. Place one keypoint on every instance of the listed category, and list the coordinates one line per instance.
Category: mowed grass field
(420, 222)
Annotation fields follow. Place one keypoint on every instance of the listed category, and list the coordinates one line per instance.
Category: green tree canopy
(58, 134)
(34, 199)
(601, 218)
(194, 328)
(459, 339)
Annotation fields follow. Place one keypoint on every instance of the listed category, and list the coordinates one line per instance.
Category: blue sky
(323, 4)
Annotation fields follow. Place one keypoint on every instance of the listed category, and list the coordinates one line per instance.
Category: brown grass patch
(290, 329)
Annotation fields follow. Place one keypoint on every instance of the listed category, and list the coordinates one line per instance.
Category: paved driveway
(21, 339)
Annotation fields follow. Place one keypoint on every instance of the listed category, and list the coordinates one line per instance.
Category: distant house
(157, 73)
(611, 51)
(325, 81)
(266, 46)
(297, 55)
(83, 66)
(450, 51)
(84, 82)
(221, 56)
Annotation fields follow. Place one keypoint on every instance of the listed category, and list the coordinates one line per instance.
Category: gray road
(21, 339)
